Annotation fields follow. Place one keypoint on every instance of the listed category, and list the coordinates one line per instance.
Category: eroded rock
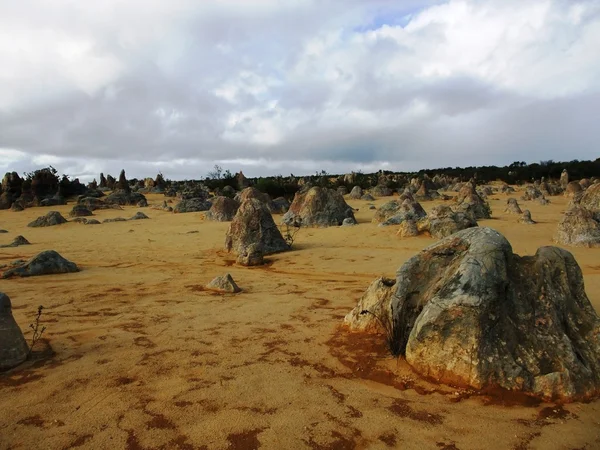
(469, 312)
(253, 225)
(45, 263)
(13, 347)
(224, 283)
(319, 207)
(49, 220)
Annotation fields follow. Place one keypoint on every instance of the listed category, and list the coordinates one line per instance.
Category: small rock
(116, 219)
(19, 240)
(50, 219)
(348, 221)
(139, 216)
(224, 283)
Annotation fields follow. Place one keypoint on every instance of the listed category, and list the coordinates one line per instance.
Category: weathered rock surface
(122, 197)
(512, 206)
(13, 347)
(19, 240)
(251, 255)
(381, 191)
(579, 227)
(279, 205)
(356, 193)
(532, 193)
(377, 300)
(45, 263)
(526, 218)
(426, 191)
(408, 228)
(49, 220)
(164, 206)
(223, 209)
(93, 203)
(319, 207)
(573, 189)
(470, 202)
(192, 205)
(224, 283)
(591, 198)
(469, 312)
(253, 226)
(80, 210)
(442, 221)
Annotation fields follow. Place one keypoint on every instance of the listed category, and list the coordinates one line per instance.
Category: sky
(297, 86)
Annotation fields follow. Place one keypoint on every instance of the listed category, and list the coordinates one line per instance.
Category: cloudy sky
(295, 86)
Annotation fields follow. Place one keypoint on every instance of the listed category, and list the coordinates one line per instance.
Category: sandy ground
(139, 355)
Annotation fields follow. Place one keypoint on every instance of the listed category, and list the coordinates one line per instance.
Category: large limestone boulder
(80, 210)
(49, 220)
(223, 209)
(13, 348)
(573, 189)
(122, 197)
(579, 227)
(319, 207)
(381, 191)
(45, 263)
(442, 221)
(469, 312)
(470, 202)
(253, 228)
(252, 192)
(377, 301)
(188, 205)
(356, 193)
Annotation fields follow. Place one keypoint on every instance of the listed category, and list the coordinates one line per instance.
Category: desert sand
(138, 355)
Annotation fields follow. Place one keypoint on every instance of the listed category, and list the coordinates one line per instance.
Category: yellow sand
(145, 358)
